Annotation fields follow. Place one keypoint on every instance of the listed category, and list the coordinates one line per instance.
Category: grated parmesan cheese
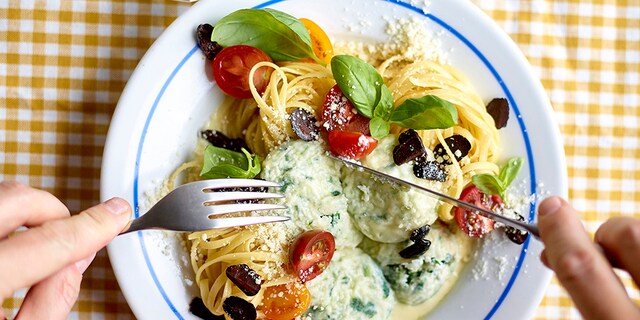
(407, 39)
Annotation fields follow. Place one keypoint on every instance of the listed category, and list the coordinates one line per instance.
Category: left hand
(52, 254)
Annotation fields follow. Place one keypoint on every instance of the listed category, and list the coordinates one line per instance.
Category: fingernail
(117, 206)
(549, 206)
(83, 264)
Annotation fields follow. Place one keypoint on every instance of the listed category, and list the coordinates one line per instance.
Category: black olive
(458, 145)
(429, 170)
(239, 309)
(408, 134)
(245, 278)
(198, 309)
(203, 38)
(218, 139)
(498, 109)
(416, 249)
(411, 148)
(304, 124)
(420, 233)
(517, 236)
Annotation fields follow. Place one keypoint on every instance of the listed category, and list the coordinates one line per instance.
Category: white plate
(170, 96)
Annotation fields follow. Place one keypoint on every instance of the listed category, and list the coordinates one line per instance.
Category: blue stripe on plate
(433, 18)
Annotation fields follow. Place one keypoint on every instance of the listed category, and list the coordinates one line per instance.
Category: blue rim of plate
(450, 29)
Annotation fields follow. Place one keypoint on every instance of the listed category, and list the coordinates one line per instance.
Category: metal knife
(532, 228)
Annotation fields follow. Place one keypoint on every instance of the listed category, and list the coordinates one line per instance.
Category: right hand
(585, 270)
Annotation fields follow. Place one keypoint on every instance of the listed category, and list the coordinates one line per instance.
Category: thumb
(56, 244)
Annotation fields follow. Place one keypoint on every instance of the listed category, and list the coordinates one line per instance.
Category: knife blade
(530, 227)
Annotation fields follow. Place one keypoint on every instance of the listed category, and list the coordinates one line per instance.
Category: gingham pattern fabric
(63, 65)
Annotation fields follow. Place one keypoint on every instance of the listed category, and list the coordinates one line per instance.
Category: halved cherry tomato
(319, 40)
(311, 253)
(351, 145)
(473, 224)
(338, 113)
(231, 68)
(285, 301)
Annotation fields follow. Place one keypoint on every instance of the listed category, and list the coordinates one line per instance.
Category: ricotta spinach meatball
(384, 211)
(352, 287)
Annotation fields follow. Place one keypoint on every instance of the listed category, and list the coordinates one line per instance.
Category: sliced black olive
(458, 145)
(416, 249)
(198, 309)
(239, 309)
(498, 108)
(408, 134)
(429, 170)
(517, 236)
(420, 233)
(203, 37)
(410, 148)
(245, 278)
(304, 124)
(218, 139)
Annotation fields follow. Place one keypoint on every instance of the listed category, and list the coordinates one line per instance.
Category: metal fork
(193, 206)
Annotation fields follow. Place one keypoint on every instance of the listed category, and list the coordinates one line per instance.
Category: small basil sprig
(364, 87)
(281, 36)
(224, 163)
(492, 184)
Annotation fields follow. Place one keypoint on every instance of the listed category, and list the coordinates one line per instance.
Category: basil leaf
(428, 112)
(488, 183)
(509, 172)
(263, 29)
(491, 184)
(385, 105)
(359, 81)
(379, 127)
(293, 23)
(224, 163)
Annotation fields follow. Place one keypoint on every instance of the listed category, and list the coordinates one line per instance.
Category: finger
(56, 244)
(54, 297)
(543, 259)
(620, 239)
(21, 205)
(580, 267)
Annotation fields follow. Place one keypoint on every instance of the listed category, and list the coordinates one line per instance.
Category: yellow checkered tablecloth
(63, 65)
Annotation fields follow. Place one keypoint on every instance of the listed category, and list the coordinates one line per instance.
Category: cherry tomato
(231, 68)
(338, 114)
(473, 224)
(285, 301)
(311, 253)
(319, 41)
(351, 145)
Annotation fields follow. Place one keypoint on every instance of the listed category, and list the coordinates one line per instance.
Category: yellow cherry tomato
(285, 301)
(319, 40)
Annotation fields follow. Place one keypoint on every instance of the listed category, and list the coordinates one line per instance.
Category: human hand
(585, 270)
(52, 254)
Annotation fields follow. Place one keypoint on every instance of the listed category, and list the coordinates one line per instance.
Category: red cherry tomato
(311, 253)
(351, 145)
(338, 114)
(473, 224)
(231, 68)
